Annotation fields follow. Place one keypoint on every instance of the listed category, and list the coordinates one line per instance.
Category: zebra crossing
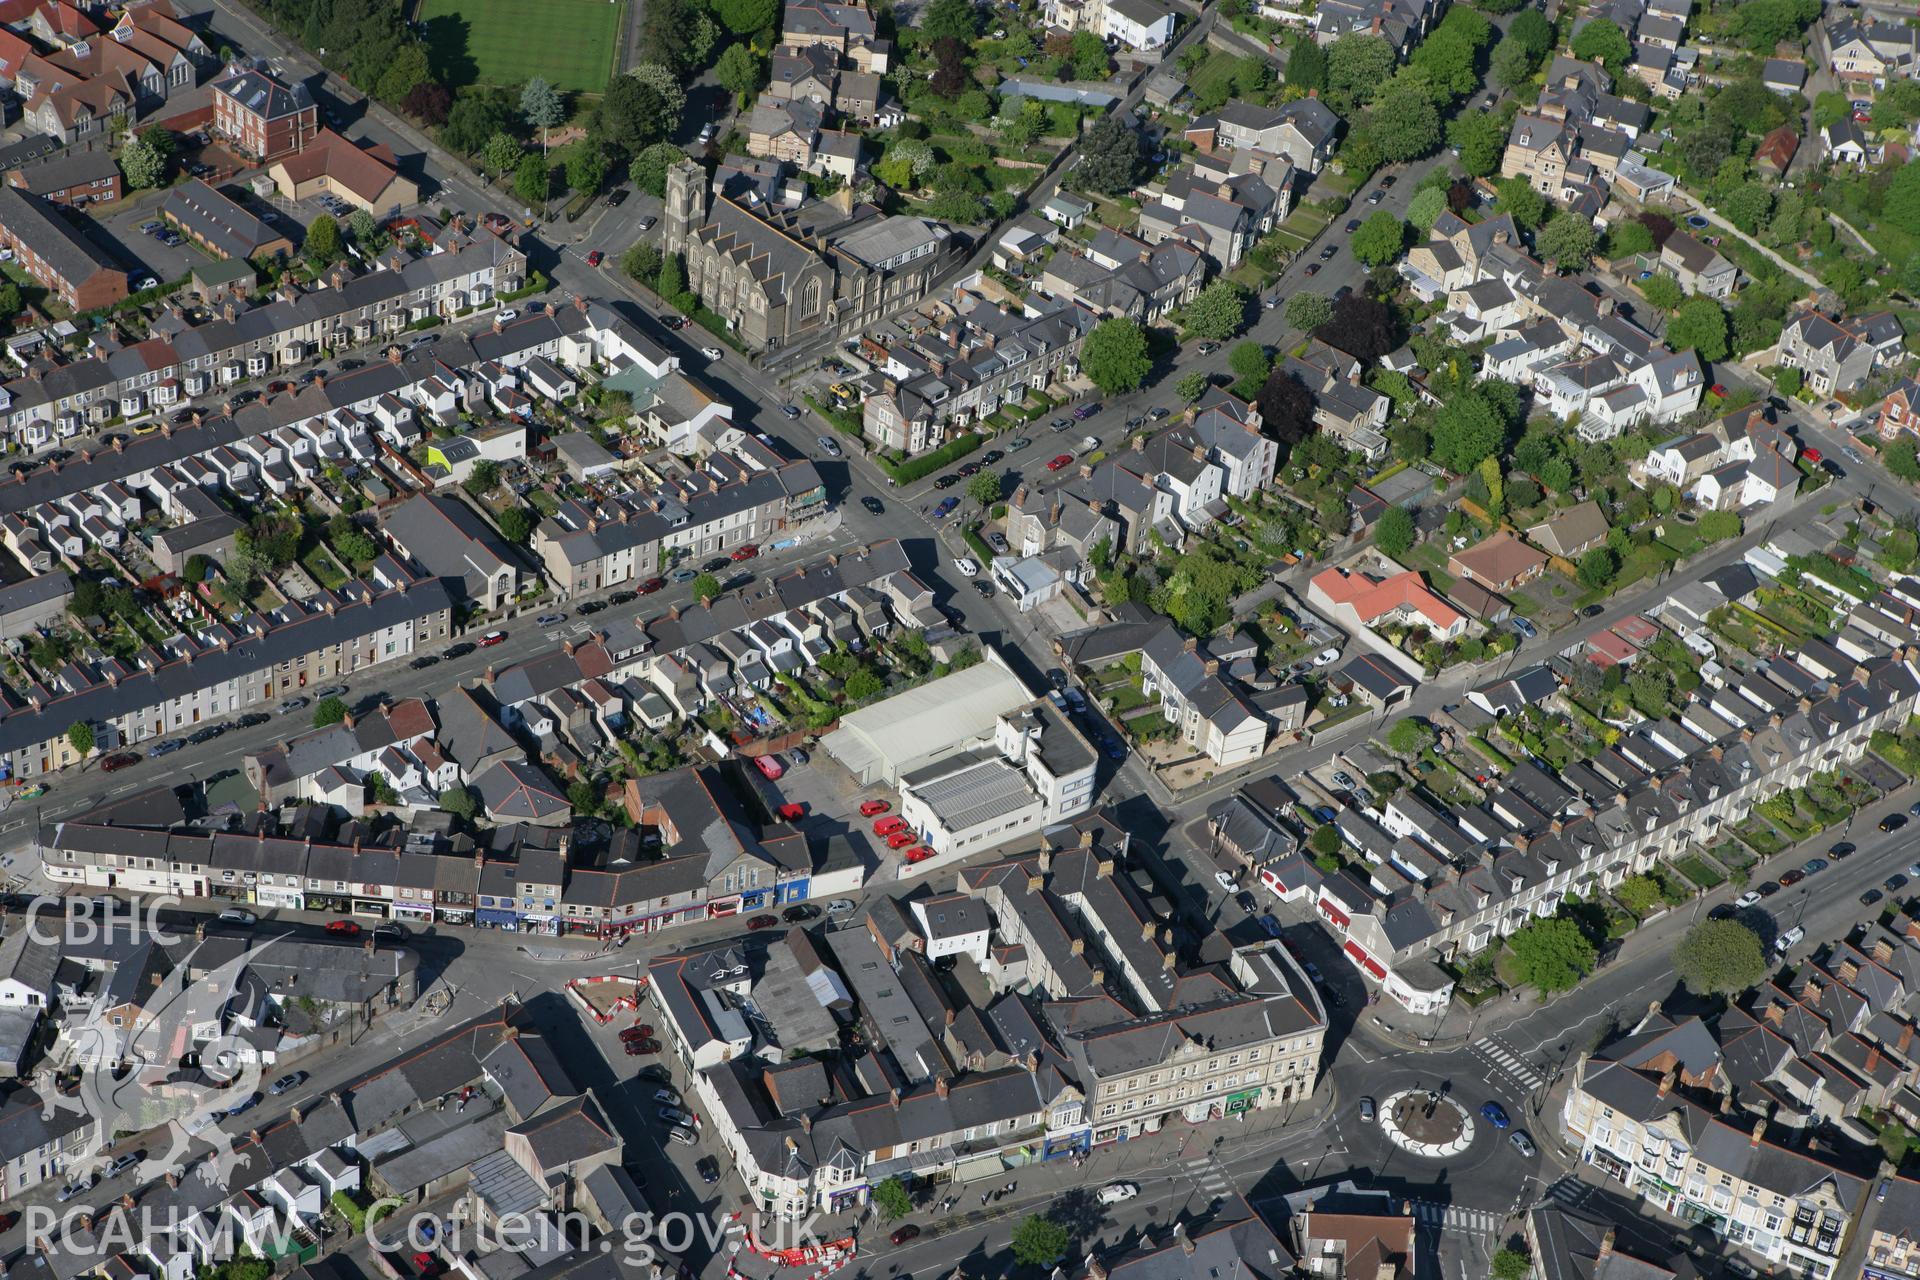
(1570, 1191)
(1208, 1175)
(1505, 1060)
(1454, 1217)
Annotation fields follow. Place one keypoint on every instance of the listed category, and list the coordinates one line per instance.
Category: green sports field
(569, 42)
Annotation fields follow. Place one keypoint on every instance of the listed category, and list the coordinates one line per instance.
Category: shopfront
(412, 911)
(373, 908)
(540, 922)
(495, 918)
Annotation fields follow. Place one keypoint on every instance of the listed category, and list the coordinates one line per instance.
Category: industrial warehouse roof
(910, 729)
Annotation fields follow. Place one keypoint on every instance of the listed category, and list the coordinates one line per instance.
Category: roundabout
(1425, 1123)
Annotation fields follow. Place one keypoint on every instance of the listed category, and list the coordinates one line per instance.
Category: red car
(642, 1032)
(637, 1047)
(762, 922)
(343, 928)
(119, 760)
(791, 812)
(920, 854)
(887, 826)
(651, 585)
(426, 1264)
(1720, 389)
(747, 552)
(1812, 455)
(492, 638)
(872, 808)
(595, 258)
(1064, 460)
(901, 839)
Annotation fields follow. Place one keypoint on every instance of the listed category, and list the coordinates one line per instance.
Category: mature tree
(516, 526)
(746, 17)
(1531, 29)
(959, 19)
(1511, 1264)
(1087, 53)
(1426, 207)
(532, 181)
(1700, 326)
(1380, 238)
(1663, 291)
(1510, 64)
(1552, 955)
(670, 34)
(1449, 56)
(501, 154)
(461, 802)
(406, 72)
(1394, 532)
(1358, 66)
(1719, 958)
(1902, 459)
(542, 107)
(950, 78)
(892, 1199)
(1111, 157)
(1747, 206)
(1481, 140)
(141, 165)
(1308, 311)
(1364, 327)
(1902, 208)
(1218, 311)
(1762, 24)
(1307, 65)
(323, 239)
(586, 170)
(984, 488)
(1639, 894)
(1404, 124)
(633, 115)
(1115, 356)
(1466, 429)
(649, 168)
(1039, 1242)
(863, 685)
(428, 103)
(80, 737)
(1518, 198)
(1410, 736)
(961, 207)
(475, 116)
(1602, 39)
(1568, 241)
(1598, 568)
(363, 228)
(1192, 386)
(738, 71)
(706, 587)
(1250, 363)
(329, 711)
(1286, 407)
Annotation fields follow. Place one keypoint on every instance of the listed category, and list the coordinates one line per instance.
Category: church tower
(686, 204)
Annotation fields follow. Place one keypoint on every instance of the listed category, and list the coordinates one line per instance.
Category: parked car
(799, 913)
(1747, 899)
(640, 1031)
(709, 1169)
(166, 748)
(1064, 460)
(747, 552)
(343, 928)
(1118, 1192)
(119, 760)
(549, 619)
(287, 1083)
(1789, 940)
(901, 839)
(902, 1235)
(1893, 822)
(330, 691)
(1768, 888)
(841, 906)
(1792, 878)
(291, 705)
(424, 661)
(919, 854)
(1870, 897)
(684, 1136)
(762, 922)
(874, 808)
(674, 1115)
(966, 567)
(492, 638)
(1894, 883)
(1326, 254)
(1524, 627)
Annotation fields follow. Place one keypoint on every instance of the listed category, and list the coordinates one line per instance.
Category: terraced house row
(1432, 882)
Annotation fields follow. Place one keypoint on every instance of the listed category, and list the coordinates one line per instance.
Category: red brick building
(78, 178)
(260, 117)
(57, 254)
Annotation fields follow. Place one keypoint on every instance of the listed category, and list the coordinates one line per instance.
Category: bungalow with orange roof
(1360, 601)
(1499, 563)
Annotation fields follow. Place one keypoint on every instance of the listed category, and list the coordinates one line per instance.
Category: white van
(1789, 940)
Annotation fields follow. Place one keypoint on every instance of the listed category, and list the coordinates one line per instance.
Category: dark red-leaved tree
(950, 67)
(1286, 408)
(1659, 224)
(1362, 327)
(428, 103)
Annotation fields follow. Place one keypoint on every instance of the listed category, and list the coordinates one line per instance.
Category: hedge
(928, 463)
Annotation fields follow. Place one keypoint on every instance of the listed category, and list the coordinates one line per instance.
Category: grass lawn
(1696, 869)
(571, 43)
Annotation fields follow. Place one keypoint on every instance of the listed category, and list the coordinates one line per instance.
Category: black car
(990, 457)
(709, 1169)
(1327, 253)
(946, 482)
(718, 564)
(1768, 889)
(1894, 883)
(1353, 225)
(1840, 851)
(206, 734)
(253, 718)
(591, 606)
(424, 661)
(873, 505)
(984, 587)
(1893, 822)
(1870, 897)
(798, 912)
(617, 197)
(623, 597)
(462, 649)
(1592, 611)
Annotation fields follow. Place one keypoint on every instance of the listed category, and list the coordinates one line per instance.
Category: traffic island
(1422, 1122)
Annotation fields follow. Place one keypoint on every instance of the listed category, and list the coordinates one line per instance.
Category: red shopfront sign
(1339, 918)
(1365, 961)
